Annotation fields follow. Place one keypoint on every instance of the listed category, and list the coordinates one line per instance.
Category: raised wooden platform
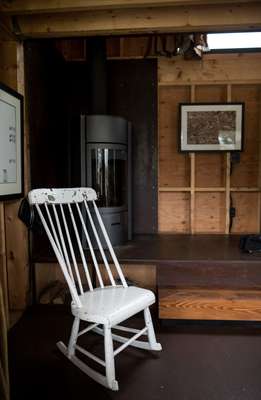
(200, 277)
(195, 276)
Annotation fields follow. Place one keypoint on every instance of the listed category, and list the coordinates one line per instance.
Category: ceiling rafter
(143, 20)
(18, 7)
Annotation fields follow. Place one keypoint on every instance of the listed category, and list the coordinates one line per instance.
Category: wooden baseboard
(205, 304)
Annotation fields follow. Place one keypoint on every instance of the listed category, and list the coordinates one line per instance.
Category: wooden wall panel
(210, 168)
(246, 172)
(143, 275)
(3, 264)
(246, 220)
(174, 214)
(14, 233)
(214, 68)
(8, 63)
(217, 78)
(113, 47)
(47, 274)
(17, 258)
(132, 46)
(210, 212)
(72, 49)
(173, 166)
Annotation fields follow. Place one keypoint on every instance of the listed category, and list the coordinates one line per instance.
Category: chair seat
(112, 304)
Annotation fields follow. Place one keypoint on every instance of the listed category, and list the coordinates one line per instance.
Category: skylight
(240, 40)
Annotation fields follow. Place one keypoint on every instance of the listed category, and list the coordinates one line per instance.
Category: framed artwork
(11, 143)
(211, 127)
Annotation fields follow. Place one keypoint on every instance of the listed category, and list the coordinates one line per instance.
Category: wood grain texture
(192, 192)
(246, 220)
(48, 273)
(206, 304)
(174, 212)
(138, 20)
(21, 90)
(132, 46)
(3, 266)
(215, 69)
(17, 258)
(8, 63)
(174, 167)
(210, 212)
(210, 168)
(15, 234)
(213, 170)
(143, 275)
(44, 6)
(210, 274)
(227, 194)
(245, 173)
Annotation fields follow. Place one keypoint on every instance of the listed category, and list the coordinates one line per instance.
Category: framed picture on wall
(211, 127)
(11, 143)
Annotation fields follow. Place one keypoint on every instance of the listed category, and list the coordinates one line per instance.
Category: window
(239, 40)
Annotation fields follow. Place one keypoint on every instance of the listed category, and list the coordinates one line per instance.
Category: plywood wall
(13, 235)
(197, 190)
(174, 171)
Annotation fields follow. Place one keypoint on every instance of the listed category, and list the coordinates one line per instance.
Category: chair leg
(109, 359)
(108, 380)
(73, 337)
(151, 334)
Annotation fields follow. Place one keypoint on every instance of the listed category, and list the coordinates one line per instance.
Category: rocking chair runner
(63, 213)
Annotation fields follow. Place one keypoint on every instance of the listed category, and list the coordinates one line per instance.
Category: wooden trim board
(206, 18)
(204, 304)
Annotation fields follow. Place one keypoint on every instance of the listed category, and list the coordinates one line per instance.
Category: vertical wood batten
(228, 172)
(192, 174)
(259, 163)
(21, 90)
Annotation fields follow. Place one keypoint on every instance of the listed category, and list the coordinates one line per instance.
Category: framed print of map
(11, 143)
(211, 127)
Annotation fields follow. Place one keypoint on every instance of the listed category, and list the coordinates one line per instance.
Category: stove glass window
(109, 176)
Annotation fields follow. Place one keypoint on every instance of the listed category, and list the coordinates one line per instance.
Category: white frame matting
(202, 122)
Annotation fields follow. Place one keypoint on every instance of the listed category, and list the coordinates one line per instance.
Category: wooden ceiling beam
(18, 7)
(6, 28)
(143, 20)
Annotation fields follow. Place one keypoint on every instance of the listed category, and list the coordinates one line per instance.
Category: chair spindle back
(67, 217)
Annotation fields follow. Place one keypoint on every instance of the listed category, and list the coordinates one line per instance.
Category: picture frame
(11, 144)
(211, 127)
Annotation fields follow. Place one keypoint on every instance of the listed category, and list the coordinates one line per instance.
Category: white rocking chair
(63, 213)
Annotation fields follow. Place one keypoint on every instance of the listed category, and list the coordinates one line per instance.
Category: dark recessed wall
(47, 102)
(132, 88)
(58, 93)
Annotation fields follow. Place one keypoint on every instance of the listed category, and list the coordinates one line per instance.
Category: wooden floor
(199, 361)
(169, 249)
